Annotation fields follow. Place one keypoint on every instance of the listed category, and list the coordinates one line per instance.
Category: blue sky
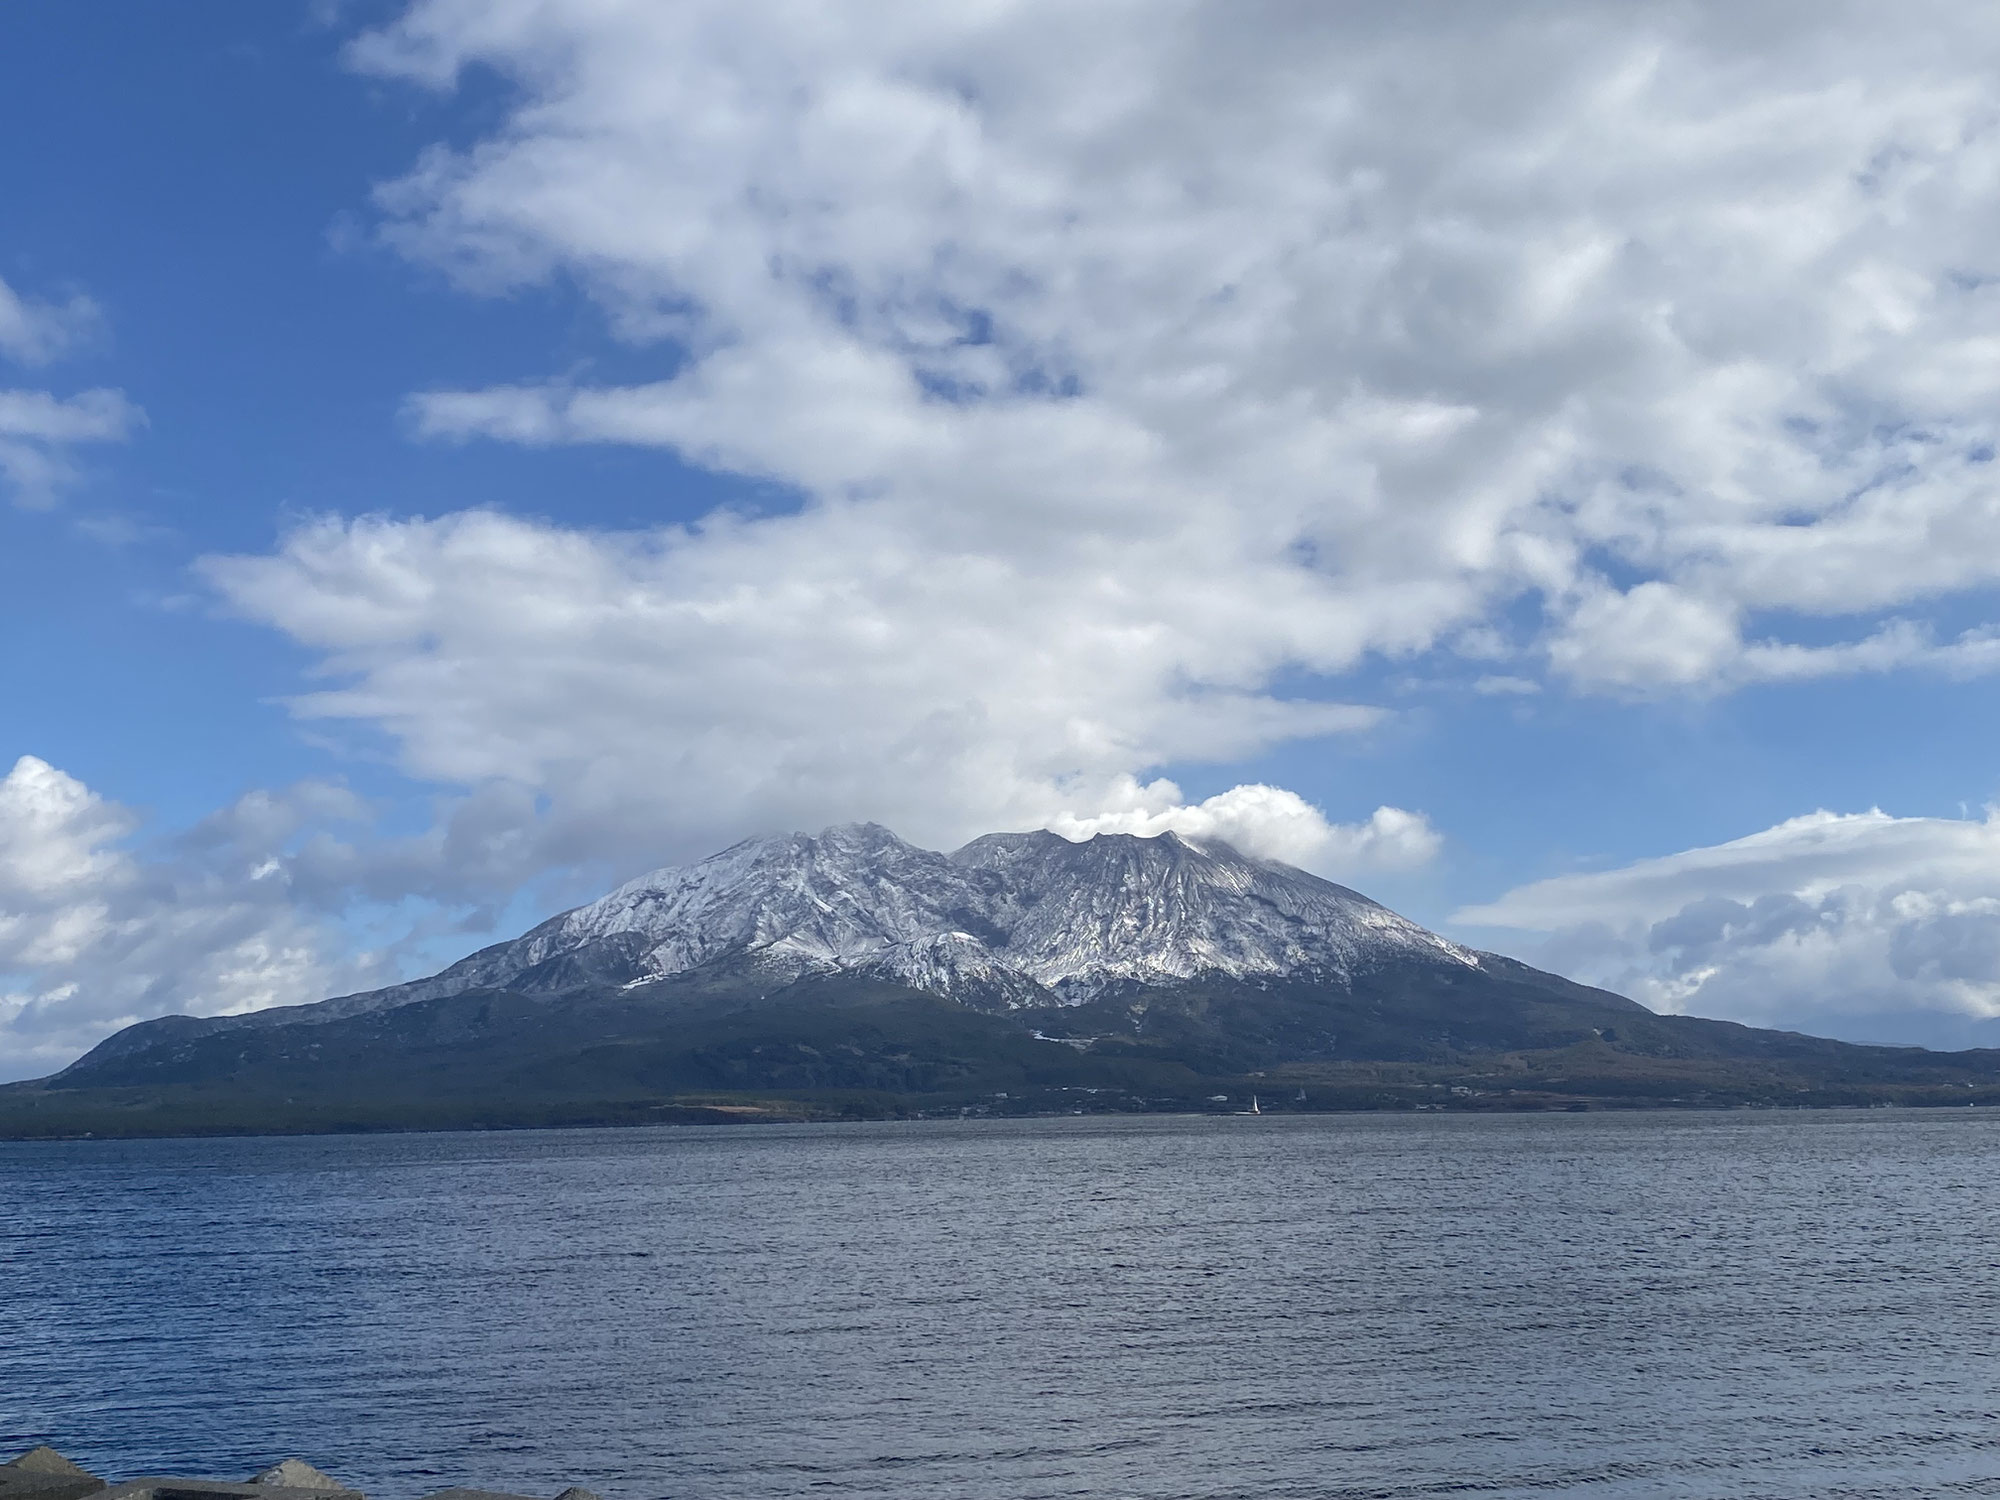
(554, 441)
(204, 178)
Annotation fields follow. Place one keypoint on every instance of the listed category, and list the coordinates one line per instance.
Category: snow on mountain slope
(1010, 920)
(838, 900)
(1078, 916)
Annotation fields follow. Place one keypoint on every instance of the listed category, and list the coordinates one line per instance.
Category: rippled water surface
(1596, 1305)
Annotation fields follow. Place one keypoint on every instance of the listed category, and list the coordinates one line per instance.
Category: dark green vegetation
(709, 1047)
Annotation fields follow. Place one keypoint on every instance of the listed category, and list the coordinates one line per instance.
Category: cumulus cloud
(665, 692)
(1263, 820)
(1129, 361)
(94, 935)
(1682, 326)
(1863, 924)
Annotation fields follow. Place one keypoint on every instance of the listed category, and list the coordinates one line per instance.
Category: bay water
(1629, 1305)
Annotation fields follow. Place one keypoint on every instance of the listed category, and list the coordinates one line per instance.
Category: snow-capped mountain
(1120, 973)
(1011, 920)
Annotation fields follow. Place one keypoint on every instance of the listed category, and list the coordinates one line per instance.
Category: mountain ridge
(1008, 921)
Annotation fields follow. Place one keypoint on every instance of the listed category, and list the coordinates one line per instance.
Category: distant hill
(850, 974)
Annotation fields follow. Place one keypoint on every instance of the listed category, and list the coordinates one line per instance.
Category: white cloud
(94, 935)
(33, 332)
(1685, 324)
(1862, 924)
(37, 428)
(1267, 821)
(1129, 360)
(666, 692)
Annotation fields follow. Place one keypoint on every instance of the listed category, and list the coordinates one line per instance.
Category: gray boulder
(297, 1474)
(44, 1474)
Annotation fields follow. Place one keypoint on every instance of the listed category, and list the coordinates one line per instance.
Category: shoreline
(745, 1118)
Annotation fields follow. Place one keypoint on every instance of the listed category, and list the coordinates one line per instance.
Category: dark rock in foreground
(44, 1474)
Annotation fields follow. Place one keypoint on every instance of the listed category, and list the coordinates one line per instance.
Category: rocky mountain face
(1011, 921)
